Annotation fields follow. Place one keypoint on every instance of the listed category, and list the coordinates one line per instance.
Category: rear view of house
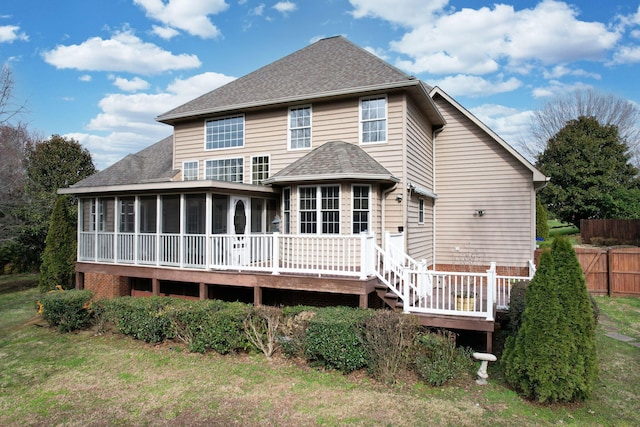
(326, 177)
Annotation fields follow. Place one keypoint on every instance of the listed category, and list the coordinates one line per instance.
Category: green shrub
(389, 338)
(144, 319)
(517, 303)
(293, 329)
(66, 310)
(211, 325)
(553, 357)
(542, 226)
(438, 360)
(58, 259)
(334, 338)
(261, 328)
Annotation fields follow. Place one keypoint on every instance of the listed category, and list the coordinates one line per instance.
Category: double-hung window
(361, 208)
(226, 132)
(299, 128)
(320, 209)
(373, 119)
(421, 211)
(259, 169)
(231, 170)
(190, 170)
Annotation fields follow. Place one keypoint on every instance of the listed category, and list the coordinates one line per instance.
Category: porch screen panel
(171, 214)
(195, 213)
(148, 214)
(257, 216)
(219, 214)
(127, 217)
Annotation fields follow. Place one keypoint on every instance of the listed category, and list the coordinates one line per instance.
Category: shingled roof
(337, 160)
(153, 164)
(329, 67)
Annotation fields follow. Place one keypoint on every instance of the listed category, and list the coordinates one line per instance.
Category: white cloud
(557, 88)
(562, 70)
(166, 33)
(475, 86)
(132, 85)
(128, 120)
(511, 124)
(122, 52)
(404, 12)
(258, 10)
(480, 41)
(627, 55)
(85, 78)
(11, 33)
(285, 7)
(186, 15)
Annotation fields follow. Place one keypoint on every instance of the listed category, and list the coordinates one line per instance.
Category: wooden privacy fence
(609, 271)
(610, 231)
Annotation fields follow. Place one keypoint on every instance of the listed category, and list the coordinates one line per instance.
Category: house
(326, 177)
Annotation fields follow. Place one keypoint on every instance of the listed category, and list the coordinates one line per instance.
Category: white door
(239, 219)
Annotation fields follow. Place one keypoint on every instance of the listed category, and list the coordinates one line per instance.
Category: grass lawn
(83, 379)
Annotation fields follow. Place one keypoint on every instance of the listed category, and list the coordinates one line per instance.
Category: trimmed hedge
(334, 338)
(144, 319)
(66, 310)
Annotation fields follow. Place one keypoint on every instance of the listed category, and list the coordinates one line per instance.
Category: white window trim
(386, 118)
(244, 136)
(217, 159)
(368, 210)
(310, 127)
(283, 220)
(268, 156)
(421, 210)
(184, 163)
(319, 209)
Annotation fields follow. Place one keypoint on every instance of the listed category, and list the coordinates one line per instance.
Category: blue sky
(100, 71)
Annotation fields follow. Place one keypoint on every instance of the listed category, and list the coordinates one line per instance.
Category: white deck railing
(274, 253)
(420, 289)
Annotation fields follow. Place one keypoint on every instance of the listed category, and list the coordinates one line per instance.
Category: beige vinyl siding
(419, 172)
(474, 172)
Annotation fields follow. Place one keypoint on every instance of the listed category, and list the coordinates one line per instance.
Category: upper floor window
(259, 169)
(299, 128)
(224, 133)
(190, 170)
(421, 211)
(361, 208)
(225, 169)
(373, 119)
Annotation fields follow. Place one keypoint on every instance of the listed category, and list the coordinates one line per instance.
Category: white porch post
(275, 261)
(116, 216)
(207, 226)
(491, 289)
(181, 250)
(136, 229)
(363, 256)
(158, 227)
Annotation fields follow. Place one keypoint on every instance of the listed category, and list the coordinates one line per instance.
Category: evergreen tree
(542, 228)
(587, 163)
(60, 251)
(553, 357)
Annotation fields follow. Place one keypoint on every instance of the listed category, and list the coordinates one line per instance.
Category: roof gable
(538, 177)
(333, 160)
(327, 67)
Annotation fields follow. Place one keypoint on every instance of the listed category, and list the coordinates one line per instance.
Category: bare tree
(606, 108)
(8, 108)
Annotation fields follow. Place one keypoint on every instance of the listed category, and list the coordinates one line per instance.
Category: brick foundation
(107, 285)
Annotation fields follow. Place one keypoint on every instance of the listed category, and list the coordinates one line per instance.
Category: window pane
(225, 170)
(360, 217)
(224, 133)
(374, 120)
(148, 210)
(300, 127)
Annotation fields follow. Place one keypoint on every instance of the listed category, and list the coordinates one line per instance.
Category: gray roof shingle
(331, 65)
(153, 164)
(333, 160)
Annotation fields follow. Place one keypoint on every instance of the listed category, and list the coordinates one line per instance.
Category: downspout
(434, 132)
(383, 209)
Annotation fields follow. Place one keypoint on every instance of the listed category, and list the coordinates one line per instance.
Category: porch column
(155, 286)
(257, 296)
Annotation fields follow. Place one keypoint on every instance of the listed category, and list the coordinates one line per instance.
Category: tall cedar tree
(59, 256)
(542, 228)
(589, 167)
(553, 357)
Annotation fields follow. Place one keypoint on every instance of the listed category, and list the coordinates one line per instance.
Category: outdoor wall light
(479, 212)
(399, 197)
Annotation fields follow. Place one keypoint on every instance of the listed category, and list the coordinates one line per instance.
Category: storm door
(239, 221)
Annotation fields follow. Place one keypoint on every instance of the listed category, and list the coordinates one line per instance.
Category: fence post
(275, 250)
(491, 289)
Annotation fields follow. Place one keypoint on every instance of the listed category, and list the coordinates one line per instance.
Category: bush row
(385, 343)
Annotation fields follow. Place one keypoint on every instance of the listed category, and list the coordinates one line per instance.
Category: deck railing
(274, 253)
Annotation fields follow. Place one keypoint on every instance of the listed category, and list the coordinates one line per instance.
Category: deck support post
(364, 301)
(155, 287)
(489, 342)
(203, 291)
(257, 296)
